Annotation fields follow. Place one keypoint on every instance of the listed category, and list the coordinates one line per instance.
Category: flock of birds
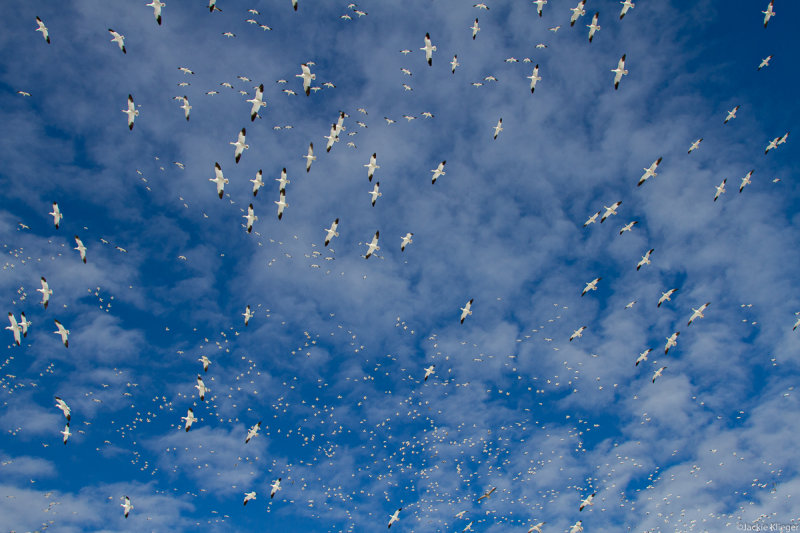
(20, 328)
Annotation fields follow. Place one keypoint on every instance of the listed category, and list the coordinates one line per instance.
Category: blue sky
(332, 362)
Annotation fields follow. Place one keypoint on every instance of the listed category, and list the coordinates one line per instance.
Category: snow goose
(406, 240)
(610, 210)
(257, 101)
(251, 217)
(657, 373)
(642, 356)
(645, 259)
(577, 333)
(281, 204)
(429, 49)
(156, 5)
(373, 245)
(239, 145)
(731, 114)
(720, 189)
(247, 315)
(219, 180)
(745, 181)
(628, 226)
(371, 166)
(64, 332)
(375, 193)
(665, 297)
(132, 112)
(119, 39)
(42, 28)
(276, 486)
(127, 505)
(395, 517)
(252, 432)
(619, 71)
(46, 292)
(331, 232)
(201, 388)
(475, 29)
(429, 372)
(587, 501)
(249, 496)
(189, 419)
(539, 5)
(534, 77)
(577, 12)
(769, 13)
(626, 5)
(695, 145)
(15, 328)
(309, 157)
(698, 313)
(672, 340)
(591, 286)
(438, 171)
(282, 181)
(257, 182)
(649, 172)
(593, 27)
(498, 128)
(466, 310)
(81, 248)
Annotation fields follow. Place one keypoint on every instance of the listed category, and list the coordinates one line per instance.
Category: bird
(119, 39)
(428, 372)
(371, 166)
(373, 245)
(189, 419)
(438, 171)
(591, 286)
(57, 216)
(628, 226)
(593, 27)
(294, 5)
(764, 62)
(15, 328)
(257, 182)
(772, 145)
(481, 6)
(672, 340)
(587, 501)
(24, 324)
(42, 28)
(642, 356)
(619, 71)
(731, 114)
(665, 297)
(626, 5)
(276, 486)
(577, 333)
(630, 304)
(454, 63)
(592, 219)
(185, 106)
(645, 259)
(610, 210)
(576, 527)
(252, 432)
(769, 13)
(539, 5)
(239, 145)
(649, 172)
(257, 101)
(62, 405)
(46, 292)
(466, 310)
(333, 137)
(206, 361)
(534, 77)
(64, 332)
(796, 324)
(309, 157)
(577, 12)
(281, 204)
(695, 145)
(247, 315)
(212, 6)
(251, 217)
(698, 313)
(127, 505)
(307, 77)
(219, 180)
(81, 248)
(331, 232)
(429, 49)
(249, 496)
(475, 29)
(132, 112)
(657, 373)
(394, 517)
(498, 128)
(201, 388)
(66, 433)
(745, 181)
(488, 493)
(406, 240)
(536, 528)
(156, 5)
(720, 189)
(374, 192)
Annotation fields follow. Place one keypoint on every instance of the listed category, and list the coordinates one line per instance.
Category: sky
(333, 361)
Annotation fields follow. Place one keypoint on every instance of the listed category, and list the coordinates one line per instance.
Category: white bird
(156, 5)
(132, 112)
(576, 527)
(475, 29)
(796, 324)
(46, 292)
(62, 405)
(331, 232)
(610, 210)
(454, 63)
(219, 180)
(745, 181)
(57, 216)
(537, 528)
(189, 419)
(257, 101)
(282, 181)
(695, 145)
(643, 356)
(252, 432)
(127, 505)
(438, 171)
(630, 304)
(309, 157)
(657, 373)
(481, 5)
(201, 388)
(783, 139)
(577, 333)
(15, 328)
(374, 192)
(720, 189)
(764, 62)
(591, 286)
(119, 39)
(81, 248)
(731, 114)
(281, 204)
(212, 6)
(307, 77)
(619, 71)
(645, 259)
(672, 340)
(66, 433)
(257, 182)
(276, 486)
(429, 49)
(64, 332)
(539, 5)
(488, 493)
(249, 496)
(240, 145)
(626, 5)
(649, 172)
(395, 517)
(371, 166)
(466, 310)
(665, 297)
(406, 240)
(206, 361)
(592, 219)
(24, 324)
(534, 77)
(42, 28)
(577, 12)
(373, 246)
(247, 315)
(468, 527)
(769, 13)
(587, 501)
(698, 313)
(185, 106)
(429, 372)
(251, 217)
(498, 128)
(593, 27)
(628, 226)
(772, 145)
(332, 137)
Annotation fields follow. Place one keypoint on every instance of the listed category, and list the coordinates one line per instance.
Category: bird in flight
(127, 505)
(257, 101)
(249, 496)
(219, 180)
(591, 286)
(372, 166)
(466, 310)
(612, 210)
(619, 71)
(764, 62)
(64, 332)
(698, 313)
(15, 328)
(81, 248)
(769, 13)
(454, 63)
(119, 39)
(475, 29)
(628, 226)
(488, 493)
(577, 12)
(132, 112)
(42, 28)
(695, 145)
(62, 405)
(252, 432)
(239, 145)
(429, 49)
(626, 5)
(189, 419)
(201, 388)
(577, 333)
(534, 77)
(375, 192)
(649, 172)
(438, 171)
(310, 157)
(251, 217)
(645, 259)
(745, 181)
(156, 5)
(587, 501)
(731, 114)
(307, 76)
(428, 372)
(720, 189)
(331, 232)
(406, 240)
(657, 373)
(642, 356)
(498, 128)
(672, 340)
(593, 27)
(281, 204)
(539, 5)
(373, 245)
(257, 182)
(276, 486)
(395, 517)
(665, 297)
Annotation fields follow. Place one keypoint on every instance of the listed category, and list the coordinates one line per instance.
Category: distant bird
(695, 145)
(375, 193)
(119, 39)
(769, 13)
(156, 5)
(587, 501)
(498, 128)
(406, 240)
(731, 114)
(475, 29)
(466, 310)
(591, 286)
(577, 12)
(576, 527)
(258, 182)
(62, 405)
(487, 494)
(247, 315)
(307, 77)
(42, 28)
(454, 63)
(46, 292)
(642, 356)
(672, 340)
(64, 332)
(592, 219)
(132, 112)
(373, 245)
(428, 372)
(239, 145)
(720, 189)
(539, 5)
(81, 248)
(372, 166)
(630, 304)
(257, 101)
(698, 313)
(619, 71)
(628, 226)
(276, 486)
(649, 172)
(481, 6)
(593, 27)
(331, 232)
(626, 5)
(438, 171)
(429, 49)
(645, 259)
(252, 432)
(395, 517)
(764, 62)
(189, 419)
(249, 496)
(745, 181)
(534, 77)
(657, 373)
(201, 388)
(219, 180)
(612, 210)
(536, 528)
(309, 157)
(57, 216)
(577, 333)
(66, 433)
(665, 297)
(127, 505)
(281, 204)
